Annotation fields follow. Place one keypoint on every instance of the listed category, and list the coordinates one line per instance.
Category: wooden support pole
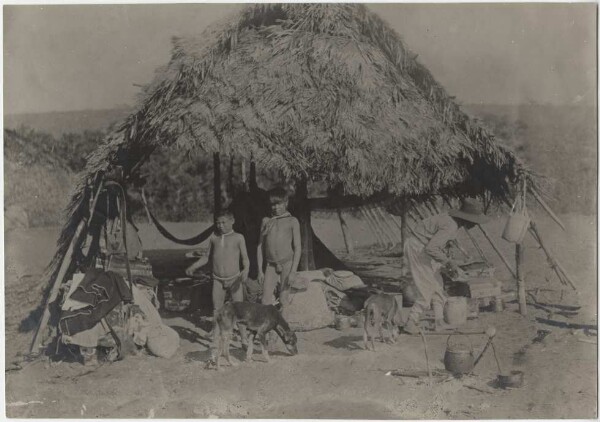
(397, 224)
(230, 177)
(303, 213)
(398, 227)
(345, 232)
(519, 258)
(64, 267)
(558, 269)
(217, 183)
(547, 208)
(403, 223)
(243, 171)
(252, 183)
(407, 226)
(502, 257)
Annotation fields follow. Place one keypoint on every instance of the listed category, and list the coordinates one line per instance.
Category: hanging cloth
(162, 230)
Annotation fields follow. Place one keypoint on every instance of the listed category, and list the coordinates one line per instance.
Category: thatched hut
(319, 92)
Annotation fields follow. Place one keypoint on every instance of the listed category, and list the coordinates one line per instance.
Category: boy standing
(226, 249)
(279, 244)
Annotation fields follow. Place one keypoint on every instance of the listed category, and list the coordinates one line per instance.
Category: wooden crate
(484, 287)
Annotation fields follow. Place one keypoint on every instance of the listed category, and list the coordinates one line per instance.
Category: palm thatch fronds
(323, 91)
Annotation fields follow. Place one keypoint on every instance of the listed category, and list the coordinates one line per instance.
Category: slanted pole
(374, 228)
(558, 269)
(417, 210)
(547, 208)
(345, 232)
(217, 183)
(476, 244)
(388, 226)
(388, 240)
(502, 257)
(519, 258)
(64, 267)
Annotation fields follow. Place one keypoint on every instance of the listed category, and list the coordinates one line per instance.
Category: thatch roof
(326, 91)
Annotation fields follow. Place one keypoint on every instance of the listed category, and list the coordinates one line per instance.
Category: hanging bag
(518, 220)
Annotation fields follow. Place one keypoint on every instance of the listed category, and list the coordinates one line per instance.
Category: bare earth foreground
(332, 377)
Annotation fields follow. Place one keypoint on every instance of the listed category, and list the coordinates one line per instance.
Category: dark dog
(259, 320)
(380, 309)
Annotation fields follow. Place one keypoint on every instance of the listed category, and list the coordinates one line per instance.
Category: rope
(162, 230)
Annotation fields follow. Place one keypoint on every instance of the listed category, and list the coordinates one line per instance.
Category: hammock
(190, 242)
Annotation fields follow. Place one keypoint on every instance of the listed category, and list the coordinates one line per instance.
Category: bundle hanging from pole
(192, 241)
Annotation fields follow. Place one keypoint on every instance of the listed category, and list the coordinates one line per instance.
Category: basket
(517, 223)
(178, 295)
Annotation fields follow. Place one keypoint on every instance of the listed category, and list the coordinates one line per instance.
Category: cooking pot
(513, 380)
(459, 358)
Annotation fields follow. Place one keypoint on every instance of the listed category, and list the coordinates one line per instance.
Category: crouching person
(226, 250)
(426, 257)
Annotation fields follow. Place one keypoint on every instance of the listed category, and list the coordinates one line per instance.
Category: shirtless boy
(279, 245)
(225, 251)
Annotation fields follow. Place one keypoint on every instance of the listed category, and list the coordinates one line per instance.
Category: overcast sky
(59, 58)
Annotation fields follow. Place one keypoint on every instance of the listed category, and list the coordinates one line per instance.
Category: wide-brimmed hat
(470, 210)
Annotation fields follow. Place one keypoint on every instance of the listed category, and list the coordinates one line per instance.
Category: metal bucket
(456, 311)
(516, 227)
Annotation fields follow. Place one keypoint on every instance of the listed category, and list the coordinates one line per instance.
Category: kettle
(459, 359)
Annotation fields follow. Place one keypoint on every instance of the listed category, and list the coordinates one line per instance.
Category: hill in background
(59, 123)
(558, 141)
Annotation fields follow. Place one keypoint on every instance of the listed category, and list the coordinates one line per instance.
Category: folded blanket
(344, 280)
(101, 291)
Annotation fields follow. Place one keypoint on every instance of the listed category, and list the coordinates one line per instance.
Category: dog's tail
(370, 312)
(282, 325)
(370, 315)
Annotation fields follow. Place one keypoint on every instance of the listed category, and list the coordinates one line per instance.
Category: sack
(308, 310)
(163, 341)
(517, 223)
(344, 280)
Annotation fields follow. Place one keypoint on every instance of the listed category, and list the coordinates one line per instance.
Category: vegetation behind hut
(540, 133)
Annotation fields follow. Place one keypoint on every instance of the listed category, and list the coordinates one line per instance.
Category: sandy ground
(332, 376)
